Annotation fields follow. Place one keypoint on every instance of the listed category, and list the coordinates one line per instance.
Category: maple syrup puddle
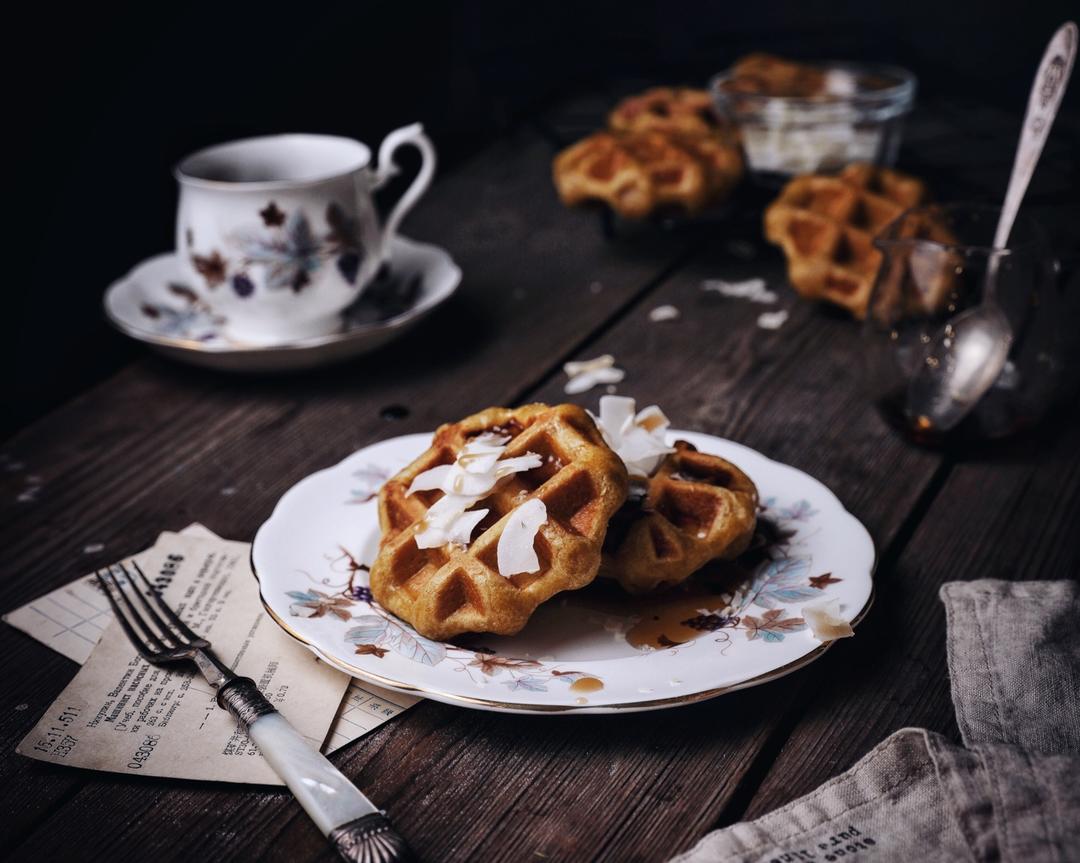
(665, 625)
(690, 610)
(587, 684)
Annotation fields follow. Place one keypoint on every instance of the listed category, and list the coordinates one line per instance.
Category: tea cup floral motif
(279, 233)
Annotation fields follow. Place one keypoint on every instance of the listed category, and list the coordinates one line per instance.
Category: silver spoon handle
(1046, 93)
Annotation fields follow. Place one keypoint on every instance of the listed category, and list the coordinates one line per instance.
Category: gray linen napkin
(1011, 793)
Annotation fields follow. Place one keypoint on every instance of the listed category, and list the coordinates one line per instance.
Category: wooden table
(155, 446)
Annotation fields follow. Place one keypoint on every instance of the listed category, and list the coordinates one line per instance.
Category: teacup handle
(388, 168)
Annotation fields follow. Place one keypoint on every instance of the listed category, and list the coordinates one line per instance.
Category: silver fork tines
(172, 641)
(356, 827)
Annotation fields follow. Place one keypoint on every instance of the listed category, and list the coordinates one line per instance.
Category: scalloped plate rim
(500, 705)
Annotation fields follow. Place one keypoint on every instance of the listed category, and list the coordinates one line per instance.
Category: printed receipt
(71, 619)
(122, 714)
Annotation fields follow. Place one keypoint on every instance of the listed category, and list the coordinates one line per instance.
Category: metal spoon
(965, 359)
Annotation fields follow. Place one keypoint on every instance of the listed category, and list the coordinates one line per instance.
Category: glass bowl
(925, 282)
(858, 118)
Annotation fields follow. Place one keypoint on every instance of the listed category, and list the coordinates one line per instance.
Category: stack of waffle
(665, 149)
(697, 507)
(767, 75)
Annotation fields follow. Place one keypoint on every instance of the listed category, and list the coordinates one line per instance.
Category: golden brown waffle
(769, 75)
(632, 174)
(826, 225)
(723, 162)
(921, 278)
(697, 508)
(636, 173)
(447, 591)
(597, 168)
(678, 177)
(680, 111)
(666, 149)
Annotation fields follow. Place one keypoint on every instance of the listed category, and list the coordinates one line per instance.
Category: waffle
(678, 176)
(697, 507)
(826, 225)
(666, 148)
(447, 591)
(632, 174)
(769, 75)
(598, 169)
(679, 111)
(723, 163)
(638, 172)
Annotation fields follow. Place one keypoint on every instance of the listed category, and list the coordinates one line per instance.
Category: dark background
(113, 98)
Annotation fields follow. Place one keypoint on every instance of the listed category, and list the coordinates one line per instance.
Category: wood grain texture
(159, 446)
(1003, 517)
(793, 394)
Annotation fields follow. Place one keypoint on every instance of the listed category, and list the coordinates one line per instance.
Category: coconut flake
(772, 320)
(430, 480)
(825, 621)
(753, 290)
(663, 313)
(472, 476)
(447, 521)
(476, 470)
(507, 466)
(516, 550)
(637, 438)
(586, 374)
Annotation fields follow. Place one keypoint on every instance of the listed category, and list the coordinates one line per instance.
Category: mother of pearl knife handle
(356, 827)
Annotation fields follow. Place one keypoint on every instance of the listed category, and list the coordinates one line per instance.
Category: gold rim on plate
(470, 701)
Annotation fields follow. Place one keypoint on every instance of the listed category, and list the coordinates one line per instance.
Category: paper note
(71, 619)
(364, 708)
(125, 715)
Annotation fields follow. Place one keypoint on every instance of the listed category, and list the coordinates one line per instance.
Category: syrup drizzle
(587, 684)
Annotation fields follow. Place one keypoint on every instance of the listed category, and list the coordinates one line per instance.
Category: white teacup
(279, 234)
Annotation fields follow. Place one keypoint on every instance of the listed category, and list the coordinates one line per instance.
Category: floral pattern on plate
(734, 624)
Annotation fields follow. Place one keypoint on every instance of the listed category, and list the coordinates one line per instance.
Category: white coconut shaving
(636, 437)
(477, 469)
(663, 313)
(825, 621)
(517, 545)
(753, 290)
(586, 374)
(473, 475)
(772, 320)
(447, 522)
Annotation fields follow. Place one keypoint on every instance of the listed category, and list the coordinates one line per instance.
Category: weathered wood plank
(582, 788)
(461, 785)
(1005, 517)
(661, 779)
(159, 446)
(741, 382)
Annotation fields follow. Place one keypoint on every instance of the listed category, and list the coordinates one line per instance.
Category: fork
(357, 828)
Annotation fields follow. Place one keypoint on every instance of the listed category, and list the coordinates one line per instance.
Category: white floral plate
(153, 305)
(589, 651)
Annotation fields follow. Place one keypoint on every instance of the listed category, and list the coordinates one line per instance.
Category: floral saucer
(595, 650)
(153, 305)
